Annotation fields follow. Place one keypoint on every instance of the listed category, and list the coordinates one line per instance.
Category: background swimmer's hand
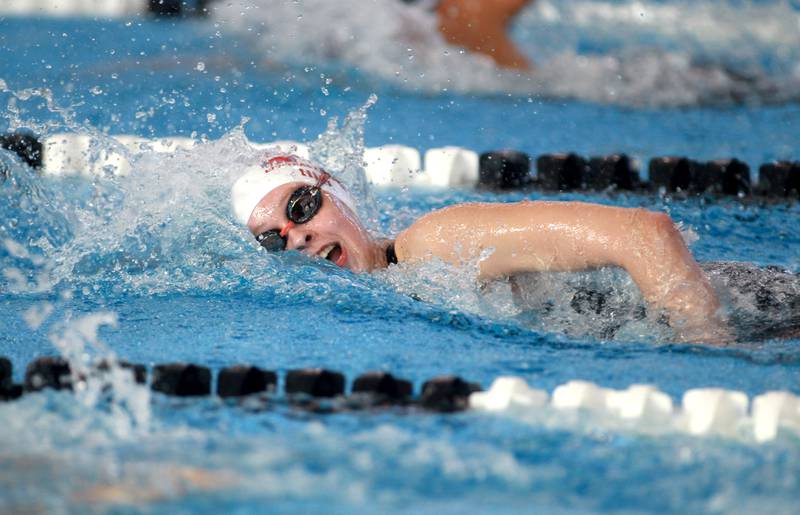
(481, 26)
(570, 237)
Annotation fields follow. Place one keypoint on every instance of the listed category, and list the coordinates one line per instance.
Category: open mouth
(333, 253)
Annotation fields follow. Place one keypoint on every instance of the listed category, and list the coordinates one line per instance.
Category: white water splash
(341, 151)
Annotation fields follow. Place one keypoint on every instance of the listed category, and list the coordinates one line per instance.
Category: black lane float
(314, 389)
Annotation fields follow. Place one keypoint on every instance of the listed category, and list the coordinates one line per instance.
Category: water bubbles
(201, 66)
(96, 90)
(211, 117)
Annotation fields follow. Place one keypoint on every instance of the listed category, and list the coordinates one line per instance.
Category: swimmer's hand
(575, 236)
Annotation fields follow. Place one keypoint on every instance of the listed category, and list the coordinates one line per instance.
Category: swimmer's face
(334, 233)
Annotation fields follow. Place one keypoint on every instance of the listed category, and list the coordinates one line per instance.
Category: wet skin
(522, 237)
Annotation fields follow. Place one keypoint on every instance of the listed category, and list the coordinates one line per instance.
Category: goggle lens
(272, 240)
(304, 204)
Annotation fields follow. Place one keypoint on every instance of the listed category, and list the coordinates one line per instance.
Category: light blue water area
(160, 250)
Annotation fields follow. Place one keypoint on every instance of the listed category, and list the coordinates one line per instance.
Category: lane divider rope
(402, 166)
(703, 411)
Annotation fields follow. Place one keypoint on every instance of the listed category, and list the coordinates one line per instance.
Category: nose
(298, 238)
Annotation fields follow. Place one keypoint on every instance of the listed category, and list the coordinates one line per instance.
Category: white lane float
(640, 402)
(581, 395)
(386, 166)
(81, 154)
(773, 410)
(703, 412)
(508, 392)
(392, 165)
(714, 410)
(451, 167)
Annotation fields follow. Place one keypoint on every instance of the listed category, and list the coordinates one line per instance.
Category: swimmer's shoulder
(433, 233)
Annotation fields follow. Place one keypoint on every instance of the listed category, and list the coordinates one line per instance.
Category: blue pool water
(153, 268)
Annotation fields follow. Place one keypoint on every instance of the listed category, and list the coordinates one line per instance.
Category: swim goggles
(302, 206)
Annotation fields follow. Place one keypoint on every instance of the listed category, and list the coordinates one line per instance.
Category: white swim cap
(276, 170)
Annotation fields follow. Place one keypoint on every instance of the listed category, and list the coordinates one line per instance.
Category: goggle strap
(323, 179)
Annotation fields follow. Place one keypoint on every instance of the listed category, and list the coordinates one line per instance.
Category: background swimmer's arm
(573, 236)
(481, 26)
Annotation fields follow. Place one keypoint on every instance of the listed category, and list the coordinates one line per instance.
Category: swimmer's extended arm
(573, 236)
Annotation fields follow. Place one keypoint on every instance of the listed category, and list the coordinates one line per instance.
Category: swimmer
(481, 26)
(289, 203)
